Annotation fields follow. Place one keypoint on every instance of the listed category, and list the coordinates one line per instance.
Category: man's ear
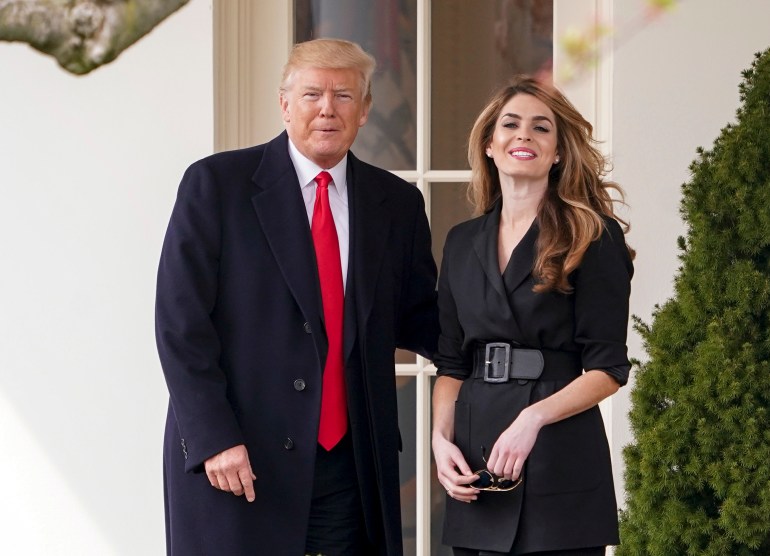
(364, 114)
(284, 104)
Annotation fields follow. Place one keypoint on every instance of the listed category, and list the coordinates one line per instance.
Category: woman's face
(524, 140)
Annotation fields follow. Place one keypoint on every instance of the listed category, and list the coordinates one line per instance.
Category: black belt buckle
(497, 361)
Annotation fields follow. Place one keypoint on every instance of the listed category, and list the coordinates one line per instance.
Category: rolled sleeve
(602, 288)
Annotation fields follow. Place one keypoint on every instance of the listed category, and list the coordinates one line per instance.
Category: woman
(533, 298)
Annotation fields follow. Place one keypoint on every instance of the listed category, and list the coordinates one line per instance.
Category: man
(289, 273)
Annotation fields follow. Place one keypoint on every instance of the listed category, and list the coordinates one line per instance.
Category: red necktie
(334, 414)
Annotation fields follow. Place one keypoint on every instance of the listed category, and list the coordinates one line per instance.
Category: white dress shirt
(307, 170)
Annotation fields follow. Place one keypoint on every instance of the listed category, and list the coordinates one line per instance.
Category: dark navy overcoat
(242, 345)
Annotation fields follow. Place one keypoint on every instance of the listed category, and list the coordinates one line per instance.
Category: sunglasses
(490, 482)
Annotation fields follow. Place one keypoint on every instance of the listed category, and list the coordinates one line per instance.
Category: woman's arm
(513, 446)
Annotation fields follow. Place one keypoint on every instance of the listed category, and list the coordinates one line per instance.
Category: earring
(556, 160)
(489, 153)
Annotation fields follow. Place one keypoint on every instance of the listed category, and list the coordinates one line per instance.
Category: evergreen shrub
(698, 472)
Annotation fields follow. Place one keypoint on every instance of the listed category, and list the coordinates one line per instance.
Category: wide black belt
(499, 362)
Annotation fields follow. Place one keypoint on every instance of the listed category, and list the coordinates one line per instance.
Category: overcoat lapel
(281, 212)
(369, 232)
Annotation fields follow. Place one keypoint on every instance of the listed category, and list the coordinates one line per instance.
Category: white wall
(88, 174)
(675, 86)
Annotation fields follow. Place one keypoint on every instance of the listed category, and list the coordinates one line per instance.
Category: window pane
(387, 29)
(404, 356)
(448, 206)
(407, 413)
(475, 48)
(437, 505)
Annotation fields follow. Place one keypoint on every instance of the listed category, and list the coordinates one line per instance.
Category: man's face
(323, 109)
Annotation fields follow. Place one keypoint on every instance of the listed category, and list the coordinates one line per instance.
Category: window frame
(249, 52)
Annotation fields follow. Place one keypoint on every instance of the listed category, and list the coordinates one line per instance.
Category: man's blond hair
(330, 54)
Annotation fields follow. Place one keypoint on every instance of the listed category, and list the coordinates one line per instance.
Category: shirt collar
(307, 170)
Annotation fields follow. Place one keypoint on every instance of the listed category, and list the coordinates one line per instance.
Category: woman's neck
(521, 201)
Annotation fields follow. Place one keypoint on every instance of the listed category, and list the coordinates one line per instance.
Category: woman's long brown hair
(570, 214)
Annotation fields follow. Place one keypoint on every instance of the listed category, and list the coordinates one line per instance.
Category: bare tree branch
(82, 34)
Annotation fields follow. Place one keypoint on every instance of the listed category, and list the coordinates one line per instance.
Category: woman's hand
(453, 471)
(513, 446)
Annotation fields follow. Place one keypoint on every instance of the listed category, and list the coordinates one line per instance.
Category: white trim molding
(251, 43)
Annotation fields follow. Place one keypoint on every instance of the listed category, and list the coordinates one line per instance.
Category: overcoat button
(299, 385)
(288, 444)
(307, 328)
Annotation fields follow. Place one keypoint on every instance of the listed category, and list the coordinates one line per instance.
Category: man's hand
(230, 471)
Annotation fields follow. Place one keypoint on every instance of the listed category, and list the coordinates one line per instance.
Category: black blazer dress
(567, 499)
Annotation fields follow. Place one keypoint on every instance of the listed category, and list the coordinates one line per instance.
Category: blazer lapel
(281, 212)
(522, 259)
(485, 246)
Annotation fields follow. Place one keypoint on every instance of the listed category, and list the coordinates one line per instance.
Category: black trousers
(336, 526)
(597, 551)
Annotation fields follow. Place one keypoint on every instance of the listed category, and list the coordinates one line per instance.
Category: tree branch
(82, 34)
